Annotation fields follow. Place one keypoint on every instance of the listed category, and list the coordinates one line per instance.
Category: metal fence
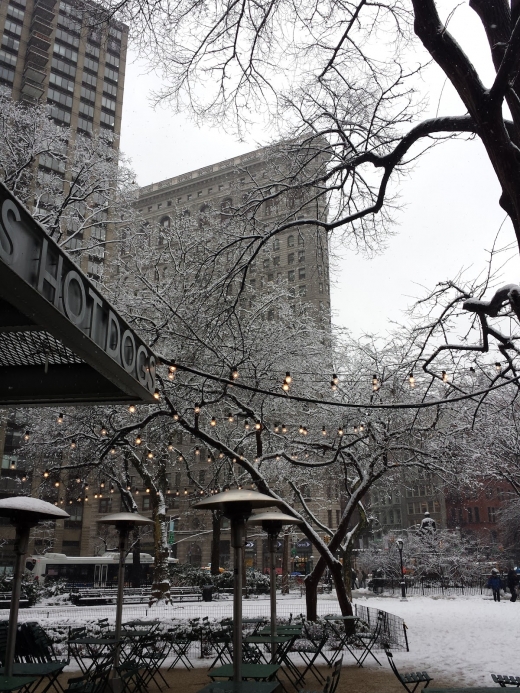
(426, 587)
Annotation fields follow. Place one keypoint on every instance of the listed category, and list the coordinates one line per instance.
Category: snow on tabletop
(462, 639)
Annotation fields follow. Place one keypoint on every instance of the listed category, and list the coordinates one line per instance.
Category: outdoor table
(281, 656)
(96, 648)
(344, 636)
(462, 690)
(14, 683)
(40, 670)
(241, 687)
(258, 672)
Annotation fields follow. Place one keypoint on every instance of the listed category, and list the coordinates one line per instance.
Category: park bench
(504, 680)
(5, 601)
(411, 680)
(84, 596)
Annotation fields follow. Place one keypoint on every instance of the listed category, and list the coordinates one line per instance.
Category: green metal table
(257, 672)
(241, 687)
(15, 683)
(283, 644)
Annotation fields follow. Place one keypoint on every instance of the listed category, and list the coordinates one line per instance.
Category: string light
(498, 367)
(411, 380)
(26, 436)
(258, 426)
(46, 474)
(230, 417)
(213, 421)
(197, 451)
(177, 492)
(13, 464)
(131, 409)
(101, 484)
(138, 439)
(444, 377)
(103, 431)
(287, 382)
(375, 383)
(246, 425)
(112, 451)
(111, 488)
(209, 459)
(196, 409)
(175, 416)
(150, 455)
(156, 394)
(361, 427)
(86, 487)
(333, 386)
(86, 499)
(136, 491)
(185, 491)
(73, 445)
(324, 431)
(340, 431)
(284, 428)
(234, 373)
(24, 478)
(355, 429)
(335, 379)
(147, 490)
(170, 445)
(276, 427)
(168, 491)
(301, 429)
(95, 495)
(171, 372)
(60, 418)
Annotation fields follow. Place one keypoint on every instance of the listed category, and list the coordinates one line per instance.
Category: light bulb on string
(24, 478)
(444, 377)
(284, 428)
(72, 444)
(209, 459)
(300, 430)
(138, 439)
(246, 425)
(156, 394)
(46, 474)
(335, 379)
(101, 484)
(170, 445)
(197, 451)
(355, 429)
(86, 499)
(150, 455)
(324, 431)
(57, 484)
(213, 421)
(258, 426)
(103, 431)
(147, 490)
(498, 367)
(60, 418)
(111, 488)
(185, 491)
(113, 451)
(333, 386)
(276, 427)
(168, 491)
(26, 436)
(340, 431)
(196, 409)
(131, 408)
(230, 417)
(13, 464)
(234, 373)
(361, 427)
(136, 491)
(171, 372)
(175, 416)
(411, 380)
(375, 383)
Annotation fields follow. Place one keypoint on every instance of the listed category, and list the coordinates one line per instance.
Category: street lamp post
(237, 506)
(400, 545)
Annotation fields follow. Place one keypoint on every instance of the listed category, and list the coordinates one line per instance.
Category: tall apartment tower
(53, 51)
(60, 53)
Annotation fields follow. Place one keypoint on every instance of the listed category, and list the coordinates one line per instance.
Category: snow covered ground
(464, 639)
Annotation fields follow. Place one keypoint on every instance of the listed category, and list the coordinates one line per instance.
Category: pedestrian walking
(494, 583)
(512, 581)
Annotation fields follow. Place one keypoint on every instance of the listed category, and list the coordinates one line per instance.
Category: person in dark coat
(512, 580)
(494, 584)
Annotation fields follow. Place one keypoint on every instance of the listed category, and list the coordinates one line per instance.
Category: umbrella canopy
(23, 510)
(273, 521)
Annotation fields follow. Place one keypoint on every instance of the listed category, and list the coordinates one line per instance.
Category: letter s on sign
(8, 231)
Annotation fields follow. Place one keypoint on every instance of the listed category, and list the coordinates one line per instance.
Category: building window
(105, 505)
(225, 210)
(290, 259)
(492, 514)
(329, 518)
(266, 263)
(290, 241)
(301, 272)
(276, 261)
(301, 256)
(301, 240)
(178, 479)
(302, 290)
(276, 244)
(477, 514)
(290, 275)
(146, 502)
(320, 287)
(470, 516)
(202, 476)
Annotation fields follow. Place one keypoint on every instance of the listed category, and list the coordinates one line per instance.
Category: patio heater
(124, 524)
(24, 513)
(400, 545)
(237, 506)
(272, 523)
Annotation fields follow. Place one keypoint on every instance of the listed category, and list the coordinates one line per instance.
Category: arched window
(276, 244)
(290, 241)
(225, 210)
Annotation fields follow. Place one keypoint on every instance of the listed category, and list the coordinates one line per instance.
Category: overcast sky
(450, 212)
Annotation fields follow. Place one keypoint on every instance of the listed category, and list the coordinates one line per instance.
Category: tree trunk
(161, 577)
(215, 545)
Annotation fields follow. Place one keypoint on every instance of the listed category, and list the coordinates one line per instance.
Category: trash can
(207, 593)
